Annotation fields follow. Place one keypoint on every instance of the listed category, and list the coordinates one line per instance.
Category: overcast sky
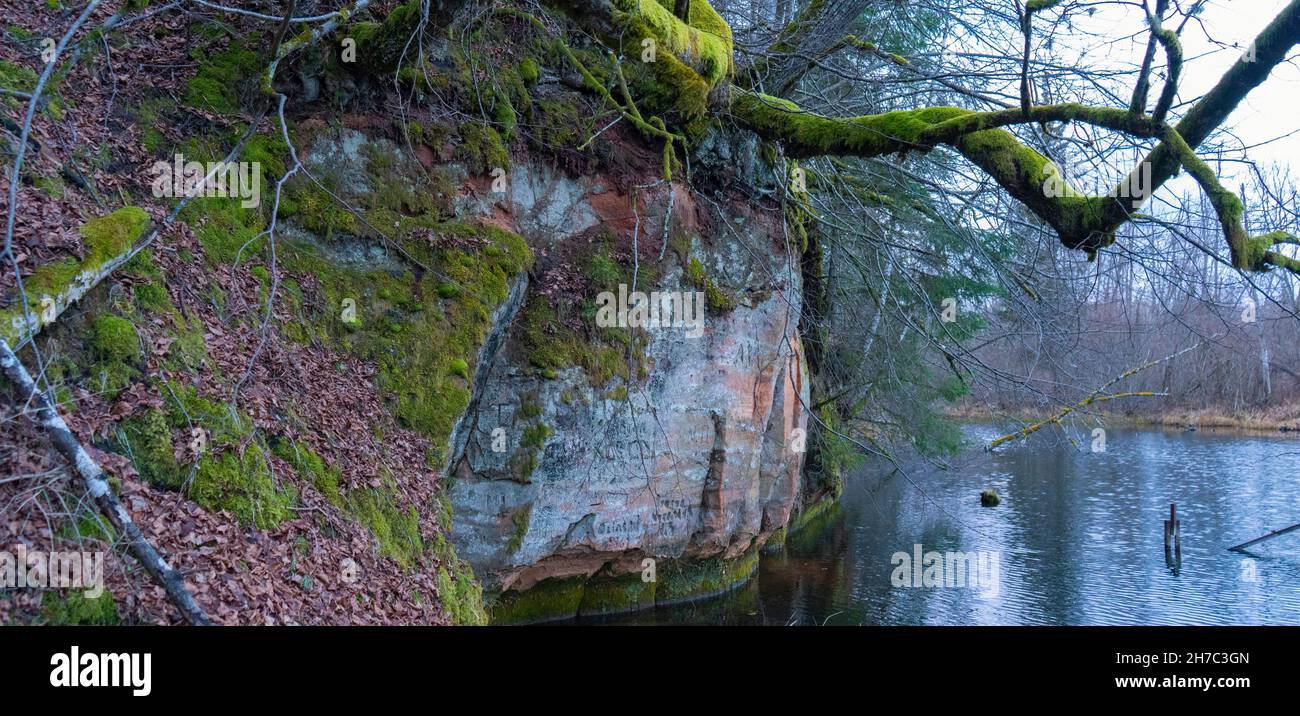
(1269, 116)
(1268, 113)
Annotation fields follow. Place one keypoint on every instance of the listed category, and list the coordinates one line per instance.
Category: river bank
(1275, 418)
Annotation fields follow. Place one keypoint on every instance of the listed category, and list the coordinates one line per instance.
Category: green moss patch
(558, 124)
(716, 298)
(521, 518)
(311, 467)
(612, 595)
(481, 148)
(240, 481)
(380, 45)
(75, 609)
(147, 439)
(693, 579)
(89, 526)
(148, 285)
(396, 530)
(461, 595)
(17, 77)
(110, 236)
(114, 337)
(426, 346)
(560, 332)
(548, 600)
(218, 84)
(691, 59)
(704, 42)
(529, 71)
(229, 468)
(553, 346)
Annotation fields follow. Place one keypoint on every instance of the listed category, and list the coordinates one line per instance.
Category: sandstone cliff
(567, 474)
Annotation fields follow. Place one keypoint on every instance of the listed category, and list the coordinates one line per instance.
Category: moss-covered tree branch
(1024, 173)
(1174, 58)
(1249, 253)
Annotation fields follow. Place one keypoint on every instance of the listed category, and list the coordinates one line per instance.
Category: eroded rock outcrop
(570, 479)
(586, 450)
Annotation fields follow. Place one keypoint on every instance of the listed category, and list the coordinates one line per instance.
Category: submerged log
(1270, 535)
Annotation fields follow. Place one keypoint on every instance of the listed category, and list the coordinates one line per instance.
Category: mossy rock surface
(415, 298)
(548, 600)
(481, 148)
(616, 595)
(549, 339)
(426, 346)
(676, 581)
(686, 580)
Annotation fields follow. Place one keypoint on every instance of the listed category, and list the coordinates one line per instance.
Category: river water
(1078, 539)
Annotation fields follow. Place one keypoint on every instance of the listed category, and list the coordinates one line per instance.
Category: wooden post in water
(1173, 540)
(1169, 551)
(1178, 541)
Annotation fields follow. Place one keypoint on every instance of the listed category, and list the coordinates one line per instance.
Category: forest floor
(319, 563)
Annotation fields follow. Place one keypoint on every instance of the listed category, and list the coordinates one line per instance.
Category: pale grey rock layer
(699, 459)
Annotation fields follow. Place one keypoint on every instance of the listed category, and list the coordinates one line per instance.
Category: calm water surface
(1078, 535)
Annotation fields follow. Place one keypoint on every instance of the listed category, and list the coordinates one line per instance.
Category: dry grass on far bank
(1285, 417)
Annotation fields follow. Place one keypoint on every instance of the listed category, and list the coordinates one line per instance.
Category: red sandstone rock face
(703, 456)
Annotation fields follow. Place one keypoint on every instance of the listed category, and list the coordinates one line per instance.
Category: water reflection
(1079, 534)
